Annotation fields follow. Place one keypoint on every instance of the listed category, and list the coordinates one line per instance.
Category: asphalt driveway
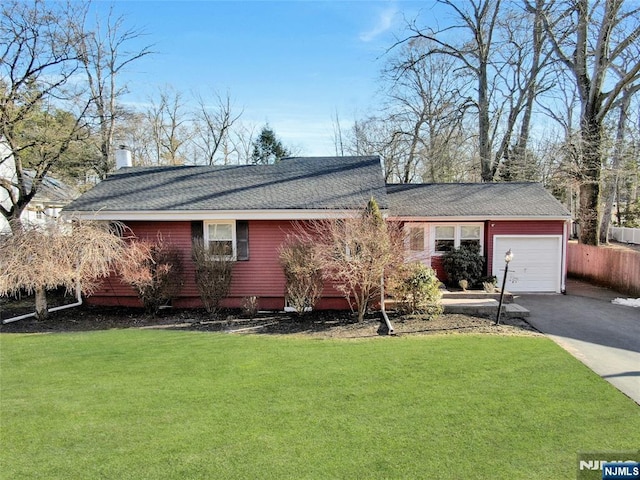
(602, 335)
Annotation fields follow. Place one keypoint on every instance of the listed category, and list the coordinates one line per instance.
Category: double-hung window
(220, 238)
(470, 236)
(224, 238)
(450, 237)
(445, 238)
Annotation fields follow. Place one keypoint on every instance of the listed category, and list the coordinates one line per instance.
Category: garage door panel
(536, 266)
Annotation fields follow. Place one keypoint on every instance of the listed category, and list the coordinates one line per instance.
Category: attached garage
(537, 264)
(523, 217)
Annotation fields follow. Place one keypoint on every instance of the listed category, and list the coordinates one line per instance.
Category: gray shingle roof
(293, 183)
(51, 190)
(309, 183)
(473, 200)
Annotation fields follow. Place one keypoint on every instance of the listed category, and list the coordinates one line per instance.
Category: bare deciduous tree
(590, 40)
(213, 124)
(611, 182)
(38, 61)
(426, 104)
(167, 122)
(35, 259)
(377, 136)
(103, 55)
(497, 57)
(524, 79)
(241, 142)
(353, 253)
(478, 21)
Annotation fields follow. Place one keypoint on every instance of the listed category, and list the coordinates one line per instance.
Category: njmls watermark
(623, 465)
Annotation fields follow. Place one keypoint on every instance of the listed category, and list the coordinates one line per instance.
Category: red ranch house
(254, 207)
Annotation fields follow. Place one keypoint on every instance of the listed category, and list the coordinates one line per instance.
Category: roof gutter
(189, 215)
(77, 303)
(476, 218)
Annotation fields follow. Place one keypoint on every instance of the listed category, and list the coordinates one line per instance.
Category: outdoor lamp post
(507, 258)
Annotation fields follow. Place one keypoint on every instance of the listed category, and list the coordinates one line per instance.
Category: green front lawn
(148, 404)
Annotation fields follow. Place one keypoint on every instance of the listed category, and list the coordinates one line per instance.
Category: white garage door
(536, 264)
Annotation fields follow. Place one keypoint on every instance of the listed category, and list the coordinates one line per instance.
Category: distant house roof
(292, 184)
(486, 200)
(51, 191)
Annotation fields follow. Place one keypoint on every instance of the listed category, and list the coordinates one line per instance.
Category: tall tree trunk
(590, 185)
(611, 187)
(484, 125)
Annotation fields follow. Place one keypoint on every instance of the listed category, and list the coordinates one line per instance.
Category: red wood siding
(436, 264)
(530, 227)
(261, 275)
(491, 228)
(116, 293)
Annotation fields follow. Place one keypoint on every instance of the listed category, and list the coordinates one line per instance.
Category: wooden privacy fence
(616, 268)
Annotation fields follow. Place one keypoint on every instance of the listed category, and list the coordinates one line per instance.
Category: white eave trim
(186, 215)
(479, 218)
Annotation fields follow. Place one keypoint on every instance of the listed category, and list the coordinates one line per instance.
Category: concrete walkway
(603, 336)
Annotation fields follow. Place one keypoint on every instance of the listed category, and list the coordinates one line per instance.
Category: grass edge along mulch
(173, 404)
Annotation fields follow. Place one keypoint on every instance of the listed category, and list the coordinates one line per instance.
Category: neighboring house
(254, 208)
(47, 203)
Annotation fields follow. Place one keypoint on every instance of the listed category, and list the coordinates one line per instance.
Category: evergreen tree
(268, 148)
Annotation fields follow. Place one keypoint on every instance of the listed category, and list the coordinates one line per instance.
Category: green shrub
(416, 289)
(464, 263)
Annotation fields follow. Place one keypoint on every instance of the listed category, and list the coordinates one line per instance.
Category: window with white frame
(444, 238)
(220, 237)
(470, 236)
(449, 237)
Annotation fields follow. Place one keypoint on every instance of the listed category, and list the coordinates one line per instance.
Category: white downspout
(53, 309)
(390, 330)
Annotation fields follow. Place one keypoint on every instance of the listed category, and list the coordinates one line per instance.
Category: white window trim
(456, 239)
(234, 243)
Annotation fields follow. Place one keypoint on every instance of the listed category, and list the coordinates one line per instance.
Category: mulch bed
(328, 324)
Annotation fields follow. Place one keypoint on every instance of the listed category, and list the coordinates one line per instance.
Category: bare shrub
(354, 253)
(214, 270)
(35, 259)
(250, 306)
(302, 272)
(154, 269)
(489, 287)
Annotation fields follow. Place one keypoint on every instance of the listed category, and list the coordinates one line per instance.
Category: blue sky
(292, 64)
